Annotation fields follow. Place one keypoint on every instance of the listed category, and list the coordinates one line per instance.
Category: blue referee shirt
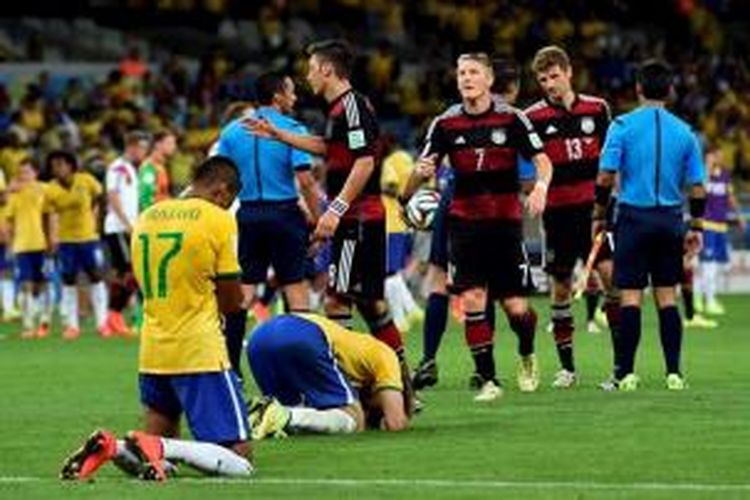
(267, 167)
(656, 154)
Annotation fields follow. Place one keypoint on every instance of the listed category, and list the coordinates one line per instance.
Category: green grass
(55, 393)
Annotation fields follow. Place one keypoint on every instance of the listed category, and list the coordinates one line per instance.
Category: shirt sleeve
(362, 131)
(696, 173)
(387, 371)
(434, 141)
(94, 186)
(112, 179)
(225, 230)
(612, 152)
(301, 160)
(524, 137)
(223, 146)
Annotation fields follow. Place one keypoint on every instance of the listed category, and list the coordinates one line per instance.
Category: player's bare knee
(562, 289)
(515, 306)
(474, 299)
(665, 296)
(631, 298)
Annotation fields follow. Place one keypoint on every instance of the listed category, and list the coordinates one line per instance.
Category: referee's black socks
(630, 336)
(670, 330)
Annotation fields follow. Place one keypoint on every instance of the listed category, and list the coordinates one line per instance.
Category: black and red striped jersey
(483, 151)
(573, 140)
(351, 133)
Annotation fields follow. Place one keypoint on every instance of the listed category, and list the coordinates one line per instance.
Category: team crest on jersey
(587, 125)
(498, 136)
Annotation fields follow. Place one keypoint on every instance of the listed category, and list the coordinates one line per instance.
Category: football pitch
(579, 443)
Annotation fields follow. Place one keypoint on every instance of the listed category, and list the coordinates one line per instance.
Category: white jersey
(122, 179)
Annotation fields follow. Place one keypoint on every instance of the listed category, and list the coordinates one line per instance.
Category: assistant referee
(657, 156)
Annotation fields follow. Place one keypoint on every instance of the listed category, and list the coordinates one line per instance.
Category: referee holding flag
(657, 156)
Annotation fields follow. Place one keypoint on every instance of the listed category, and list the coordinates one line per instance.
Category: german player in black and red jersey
(482, 138)
(573, 127)
(355, 218)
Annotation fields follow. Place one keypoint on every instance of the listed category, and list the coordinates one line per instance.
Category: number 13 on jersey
(152, 247)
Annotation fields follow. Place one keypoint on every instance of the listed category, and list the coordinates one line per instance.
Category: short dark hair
(218, 169)
(337, 52)
(655, 78)
(268, 85)
(507, 73)
(162, 134)
(61, 154)
(548, 57)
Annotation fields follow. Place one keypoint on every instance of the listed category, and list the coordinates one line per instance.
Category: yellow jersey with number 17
(179, 248)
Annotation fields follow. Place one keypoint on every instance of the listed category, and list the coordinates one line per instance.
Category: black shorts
(488, 254)
(649, 245)
(272, 234)
(358, 260)
(568, 238)
(118, 245)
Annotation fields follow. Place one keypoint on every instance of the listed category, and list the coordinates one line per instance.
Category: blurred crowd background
(80, 73)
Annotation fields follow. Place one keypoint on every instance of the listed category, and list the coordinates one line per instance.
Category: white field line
(436, 483)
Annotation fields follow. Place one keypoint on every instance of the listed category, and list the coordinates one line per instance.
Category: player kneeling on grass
(184, 258)
(309, 369)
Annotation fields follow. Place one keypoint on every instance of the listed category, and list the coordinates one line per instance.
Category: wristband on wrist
(696, 224)
(338, 207)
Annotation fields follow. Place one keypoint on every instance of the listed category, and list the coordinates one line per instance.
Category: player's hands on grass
(327, 225)
(260, 127)
(537, 200)
(427, 166)
(693, 242)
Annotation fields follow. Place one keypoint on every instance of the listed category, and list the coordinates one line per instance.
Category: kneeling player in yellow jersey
(29, 236)
(322, 378)
(184, 258)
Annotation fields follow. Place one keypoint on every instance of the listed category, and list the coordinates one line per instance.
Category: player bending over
(322, 378)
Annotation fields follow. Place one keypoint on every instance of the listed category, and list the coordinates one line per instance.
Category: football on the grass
(421, 208)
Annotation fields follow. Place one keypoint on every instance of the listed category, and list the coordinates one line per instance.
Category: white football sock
(27, 310)
(207, 457)
(9, 295)
(98, 294)
(407, 299)
(44, 306)
(393, 297)
(710, 276)
(333, 421)
(70, 305)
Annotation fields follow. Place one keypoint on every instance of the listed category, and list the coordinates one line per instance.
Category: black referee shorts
(649, 247)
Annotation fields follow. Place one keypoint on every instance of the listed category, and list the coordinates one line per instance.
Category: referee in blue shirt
(657, 156)
(273, 230)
